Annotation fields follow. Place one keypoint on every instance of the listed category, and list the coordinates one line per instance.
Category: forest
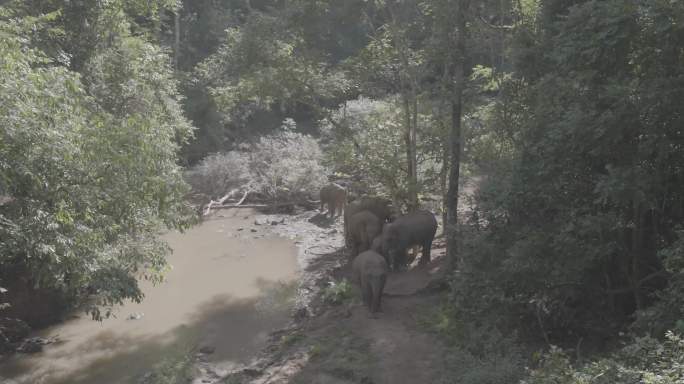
(121, 119)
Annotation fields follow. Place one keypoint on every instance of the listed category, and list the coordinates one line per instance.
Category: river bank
(336, 341)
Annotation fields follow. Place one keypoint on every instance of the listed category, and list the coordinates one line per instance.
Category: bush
(478, 354)
(219, 173)
(645, 360)
(338, 293)
(286, 166)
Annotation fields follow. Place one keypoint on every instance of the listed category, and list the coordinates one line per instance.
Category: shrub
(219, 173)
(338, 293)
(644, 360)
(286, 166)
(477, 354)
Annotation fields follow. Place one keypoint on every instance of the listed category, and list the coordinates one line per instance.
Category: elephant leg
(366, 292)
(425, 258)
(400, 260)
(378, 284)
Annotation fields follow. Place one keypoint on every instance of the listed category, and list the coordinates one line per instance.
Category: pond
(230, 285)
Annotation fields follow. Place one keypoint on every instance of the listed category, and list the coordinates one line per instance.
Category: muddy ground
(340, 343)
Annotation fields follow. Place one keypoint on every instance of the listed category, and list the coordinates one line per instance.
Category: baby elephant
(363, 227)
(335, 196)
(416, 228)
(369, 270)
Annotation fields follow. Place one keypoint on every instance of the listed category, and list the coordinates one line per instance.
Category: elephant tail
(377, 285)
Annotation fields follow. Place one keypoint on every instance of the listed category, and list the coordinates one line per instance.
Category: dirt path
(395, 347)
(342, 344)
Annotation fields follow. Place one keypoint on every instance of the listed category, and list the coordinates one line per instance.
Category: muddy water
(227, 290)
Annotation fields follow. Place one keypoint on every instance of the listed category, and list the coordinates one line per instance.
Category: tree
(90, 161)
(579, 232)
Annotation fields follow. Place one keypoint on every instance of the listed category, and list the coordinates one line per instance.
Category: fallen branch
(241, 206)
(243, 197)
(219, 201)
(257, 205)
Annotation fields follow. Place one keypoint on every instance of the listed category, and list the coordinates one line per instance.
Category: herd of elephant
(378, 238)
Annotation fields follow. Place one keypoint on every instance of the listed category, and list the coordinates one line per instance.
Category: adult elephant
(380, 207)
(415, 228)
(363, 226)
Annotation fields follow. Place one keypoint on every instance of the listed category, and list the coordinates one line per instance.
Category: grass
(342, 356)
(337, 293)
(177, 368)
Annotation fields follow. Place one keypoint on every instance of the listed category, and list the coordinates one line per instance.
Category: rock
(207, 349)
(253, 230)
(254, 372)
(301, 313)
(240, 229)
(135, 316)
(33, 345)
(14, 329)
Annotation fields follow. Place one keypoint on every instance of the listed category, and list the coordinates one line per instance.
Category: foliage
(575, 224)
(476, 353)
(645, 360)
(220, 173)
(343, 356)
(367, 143)
(337, 293)
(178, 368)
(91, 167)
(258, 68)
(284, 166)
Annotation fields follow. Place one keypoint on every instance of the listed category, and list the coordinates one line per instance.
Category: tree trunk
(413, 178)
(410, 140)
(443, 183)
(451, 226)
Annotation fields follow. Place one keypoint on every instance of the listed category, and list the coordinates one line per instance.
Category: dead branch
(219, 201)
(243, 197)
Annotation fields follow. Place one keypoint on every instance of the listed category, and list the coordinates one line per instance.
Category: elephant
(369, 270)
(376, 245)
(364, 226)
(335, 196)
(380, 207)
(415, 228)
